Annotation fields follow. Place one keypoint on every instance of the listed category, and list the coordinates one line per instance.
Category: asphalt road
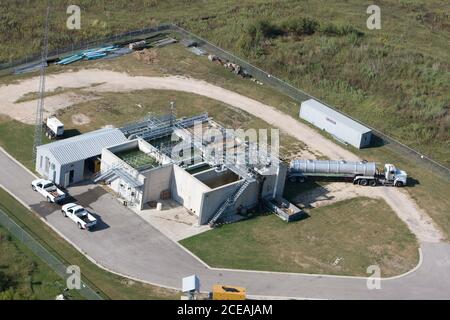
(126, 244)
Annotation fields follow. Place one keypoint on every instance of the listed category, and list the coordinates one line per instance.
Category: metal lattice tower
(40, 104)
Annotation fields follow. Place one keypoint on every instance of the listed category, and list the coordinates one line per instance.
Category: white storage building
(72, 160)
(335, 123)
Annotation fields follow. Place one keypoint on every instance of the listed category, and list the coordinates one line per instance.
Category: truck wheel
(33, 187)
(301, 179)
(399, 184)
(63, 213)
(292, 179)
(79, 225)
(363, 182)
(49, 200)
(373, 183)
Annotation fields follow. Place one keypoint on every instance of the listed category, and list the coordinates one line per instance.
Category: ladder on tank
(231, 200)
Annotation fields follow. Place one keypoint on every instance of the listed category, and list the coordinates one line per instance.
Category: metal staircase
(115, 172)
(231, 200)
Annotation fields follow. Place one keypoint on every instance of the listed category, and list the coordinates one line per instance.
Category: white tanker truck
(360, 172)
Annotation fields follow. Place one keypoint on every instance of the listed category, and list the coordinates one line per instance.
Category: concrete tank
(333, 167)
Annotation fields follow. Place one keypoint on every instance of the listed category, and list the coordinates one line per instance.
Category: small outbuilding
(74, 159)
(341, 127)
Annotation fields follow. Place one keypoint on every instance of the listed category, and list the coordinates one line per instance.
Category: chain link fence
(8, 67)
(53, 262)
(268, 79)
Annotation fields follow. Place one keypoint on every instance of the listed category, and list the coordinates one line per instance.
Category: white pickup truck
(79, 215)
(49, 190)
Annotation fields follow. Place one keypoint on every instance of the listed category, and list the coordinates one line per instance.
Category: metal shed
(341, 127)
(72, 160)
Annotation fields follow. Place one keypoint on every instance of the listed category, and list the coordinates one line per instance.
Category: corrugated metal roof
(84, 146)
(336, 116)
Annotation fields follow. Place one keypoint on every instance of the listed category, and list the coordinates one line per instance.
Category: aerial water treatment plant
(152, 195)
(139, 164)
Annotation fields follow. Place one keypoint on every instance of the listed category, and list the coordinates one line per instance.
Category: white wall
(215, 198)
(156, 181)
(187, 190)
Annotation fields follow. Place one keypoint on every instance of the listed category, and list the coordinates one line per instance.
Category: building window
(40, 162)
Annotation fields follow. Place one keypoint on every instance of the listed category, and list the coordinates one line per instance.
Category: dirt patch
(416, 219)
(148, 56)
(80, 119)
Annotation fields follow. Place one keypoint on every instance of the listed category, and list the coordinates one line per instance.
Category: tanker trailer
(360, 172)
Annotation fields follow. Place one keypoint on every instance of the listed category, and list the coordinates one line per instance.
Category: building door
(66, 179)
(71, 175)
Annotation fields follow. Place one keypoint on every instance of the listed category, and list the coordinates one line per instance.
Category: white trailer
(360, 172)
(341, 127)
(54, 128)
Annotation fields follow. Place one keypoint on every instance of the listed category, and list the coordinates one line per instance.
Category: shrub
(266, 29)
(333, 30)
(299, 27)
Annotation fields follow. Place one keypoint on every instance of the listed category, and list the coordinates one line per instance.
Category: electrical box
(191, 284)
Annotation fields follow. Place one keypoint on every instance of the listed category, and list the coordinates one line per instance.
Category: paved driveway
(127, 244)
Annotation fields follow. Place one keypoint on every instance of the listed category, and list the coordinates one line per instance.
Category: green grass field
(359, 232)
(23, 275)
(105, 283)
(395, 79)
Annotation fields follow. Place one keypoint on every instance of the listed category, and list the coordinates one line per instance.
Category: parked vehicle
(54, 128)
(49, 190)
(79, 215)
(361, 172)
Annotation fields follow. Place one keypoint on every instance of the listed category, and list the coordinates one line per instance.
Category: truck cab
(395, 176)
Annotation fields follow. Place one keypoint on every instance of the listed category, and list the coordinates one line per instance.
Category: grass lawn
(359, 231)
(17, 138)
(105, 283)
(23, 275)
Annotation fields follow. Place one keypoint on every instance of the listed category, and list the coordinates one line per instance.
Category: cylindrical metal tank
(333, 167)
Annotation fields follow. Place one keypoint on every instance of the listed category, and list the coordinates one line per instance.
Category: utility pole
(40, 103)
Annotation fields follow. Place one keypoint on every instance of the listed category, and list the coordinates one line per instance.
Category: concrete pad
(174, 221)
